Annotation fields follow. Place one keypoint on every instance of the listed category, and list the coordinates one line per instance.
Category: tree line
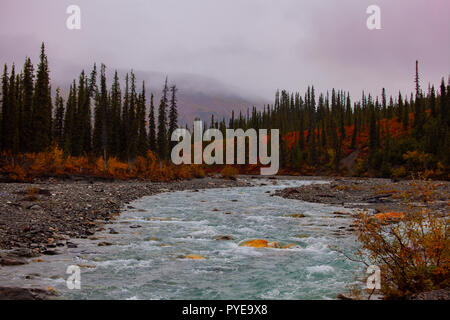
(394, 135)
(319, 133)
(94, 120)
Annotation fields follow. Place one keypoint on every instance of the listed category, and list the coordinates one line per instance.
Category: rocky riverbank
(39, 218)
(377, 195)
(47, 216)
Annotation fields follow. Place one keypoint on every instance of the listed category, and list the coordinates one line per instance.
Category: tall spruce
(5, 116)
(27, 120)
(101, 117)
(162, 124)
(58, 123)
(42, 106)
(142, 128)
(152, 126)
(116, 109)
(173, 114)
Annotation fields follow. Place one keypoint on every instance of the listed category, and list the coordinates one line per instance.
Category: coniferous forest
(122, 132)
(325, 133)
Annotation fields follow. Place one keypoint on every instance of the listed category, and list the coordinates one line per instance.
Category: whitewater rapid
(146, 258)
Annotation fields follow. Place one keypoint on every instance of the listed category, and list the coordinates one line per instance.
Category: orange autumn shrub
(18, 174)
(53, 163)
(229, 172)
(115, 168)
(414, 253)
(389, 217)
(47, 163)
(197, 171)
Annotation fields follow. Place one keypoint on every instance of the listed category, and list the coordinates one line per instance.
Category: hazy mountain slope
(198, 96)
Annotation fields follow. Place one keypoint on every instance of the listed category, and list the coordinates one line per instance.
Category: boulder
(50, 252)
(104, 244)
(25, 294)
(9, 261)
(194, 257)
(112, 231)
(224, 238)
(260, 243)
(297, 215)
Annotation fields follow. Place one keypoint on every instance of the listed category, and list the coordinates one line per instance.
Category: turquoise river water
(147, 262)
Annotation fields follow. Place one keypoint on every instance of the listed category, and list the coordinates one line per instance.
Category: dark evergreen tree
(58, 124)
(27, 109)
(102, 117)
(152, 127)
(5, 115)
(42, 106)
(142, 128)
(162, 124)
(173, 114)
(116, 109)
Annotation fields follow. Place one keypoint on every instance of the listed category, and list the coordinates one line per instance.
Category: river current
(147, 257)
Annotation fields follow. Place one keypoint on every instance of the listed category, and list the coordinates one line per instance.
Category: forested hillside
(328, 133)
(123, 132)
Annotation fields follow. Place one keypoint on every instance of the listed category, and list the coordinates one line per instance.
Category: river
(146, 258)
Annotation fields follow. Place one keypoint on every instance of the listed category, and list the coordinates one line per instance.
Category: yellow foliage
(414, 253)
(53, 163)
(229, 172)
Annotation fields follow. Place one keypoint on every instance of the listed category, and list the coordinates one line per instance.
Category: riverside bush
(413, 252)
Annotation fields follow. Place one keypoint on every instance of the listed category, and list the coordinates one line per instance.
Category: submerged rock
(224, 238)
(104, 244)
(297, 215)
(9, 261)
(260, 243)
(26, 293)
(194, 257)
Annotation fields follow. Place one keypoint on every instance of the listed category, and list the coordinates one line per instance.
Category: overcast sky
(256, 45)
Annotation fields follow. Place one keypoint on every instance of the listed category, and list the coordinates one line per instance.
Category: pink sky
(255, 45)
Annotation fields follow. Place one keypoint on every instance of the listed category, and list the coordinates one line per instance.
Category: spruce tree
(152, 126)
(42, 107)
(125, 121)
(162, 124)
(5, 118)
(58, 124)
(69, 119)
(142, 129)
(173, 114)
(11, 125)
(419, 114)
(116, 109)
(100, 139)
(27, 121)
(132, 120)
(81, 129)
